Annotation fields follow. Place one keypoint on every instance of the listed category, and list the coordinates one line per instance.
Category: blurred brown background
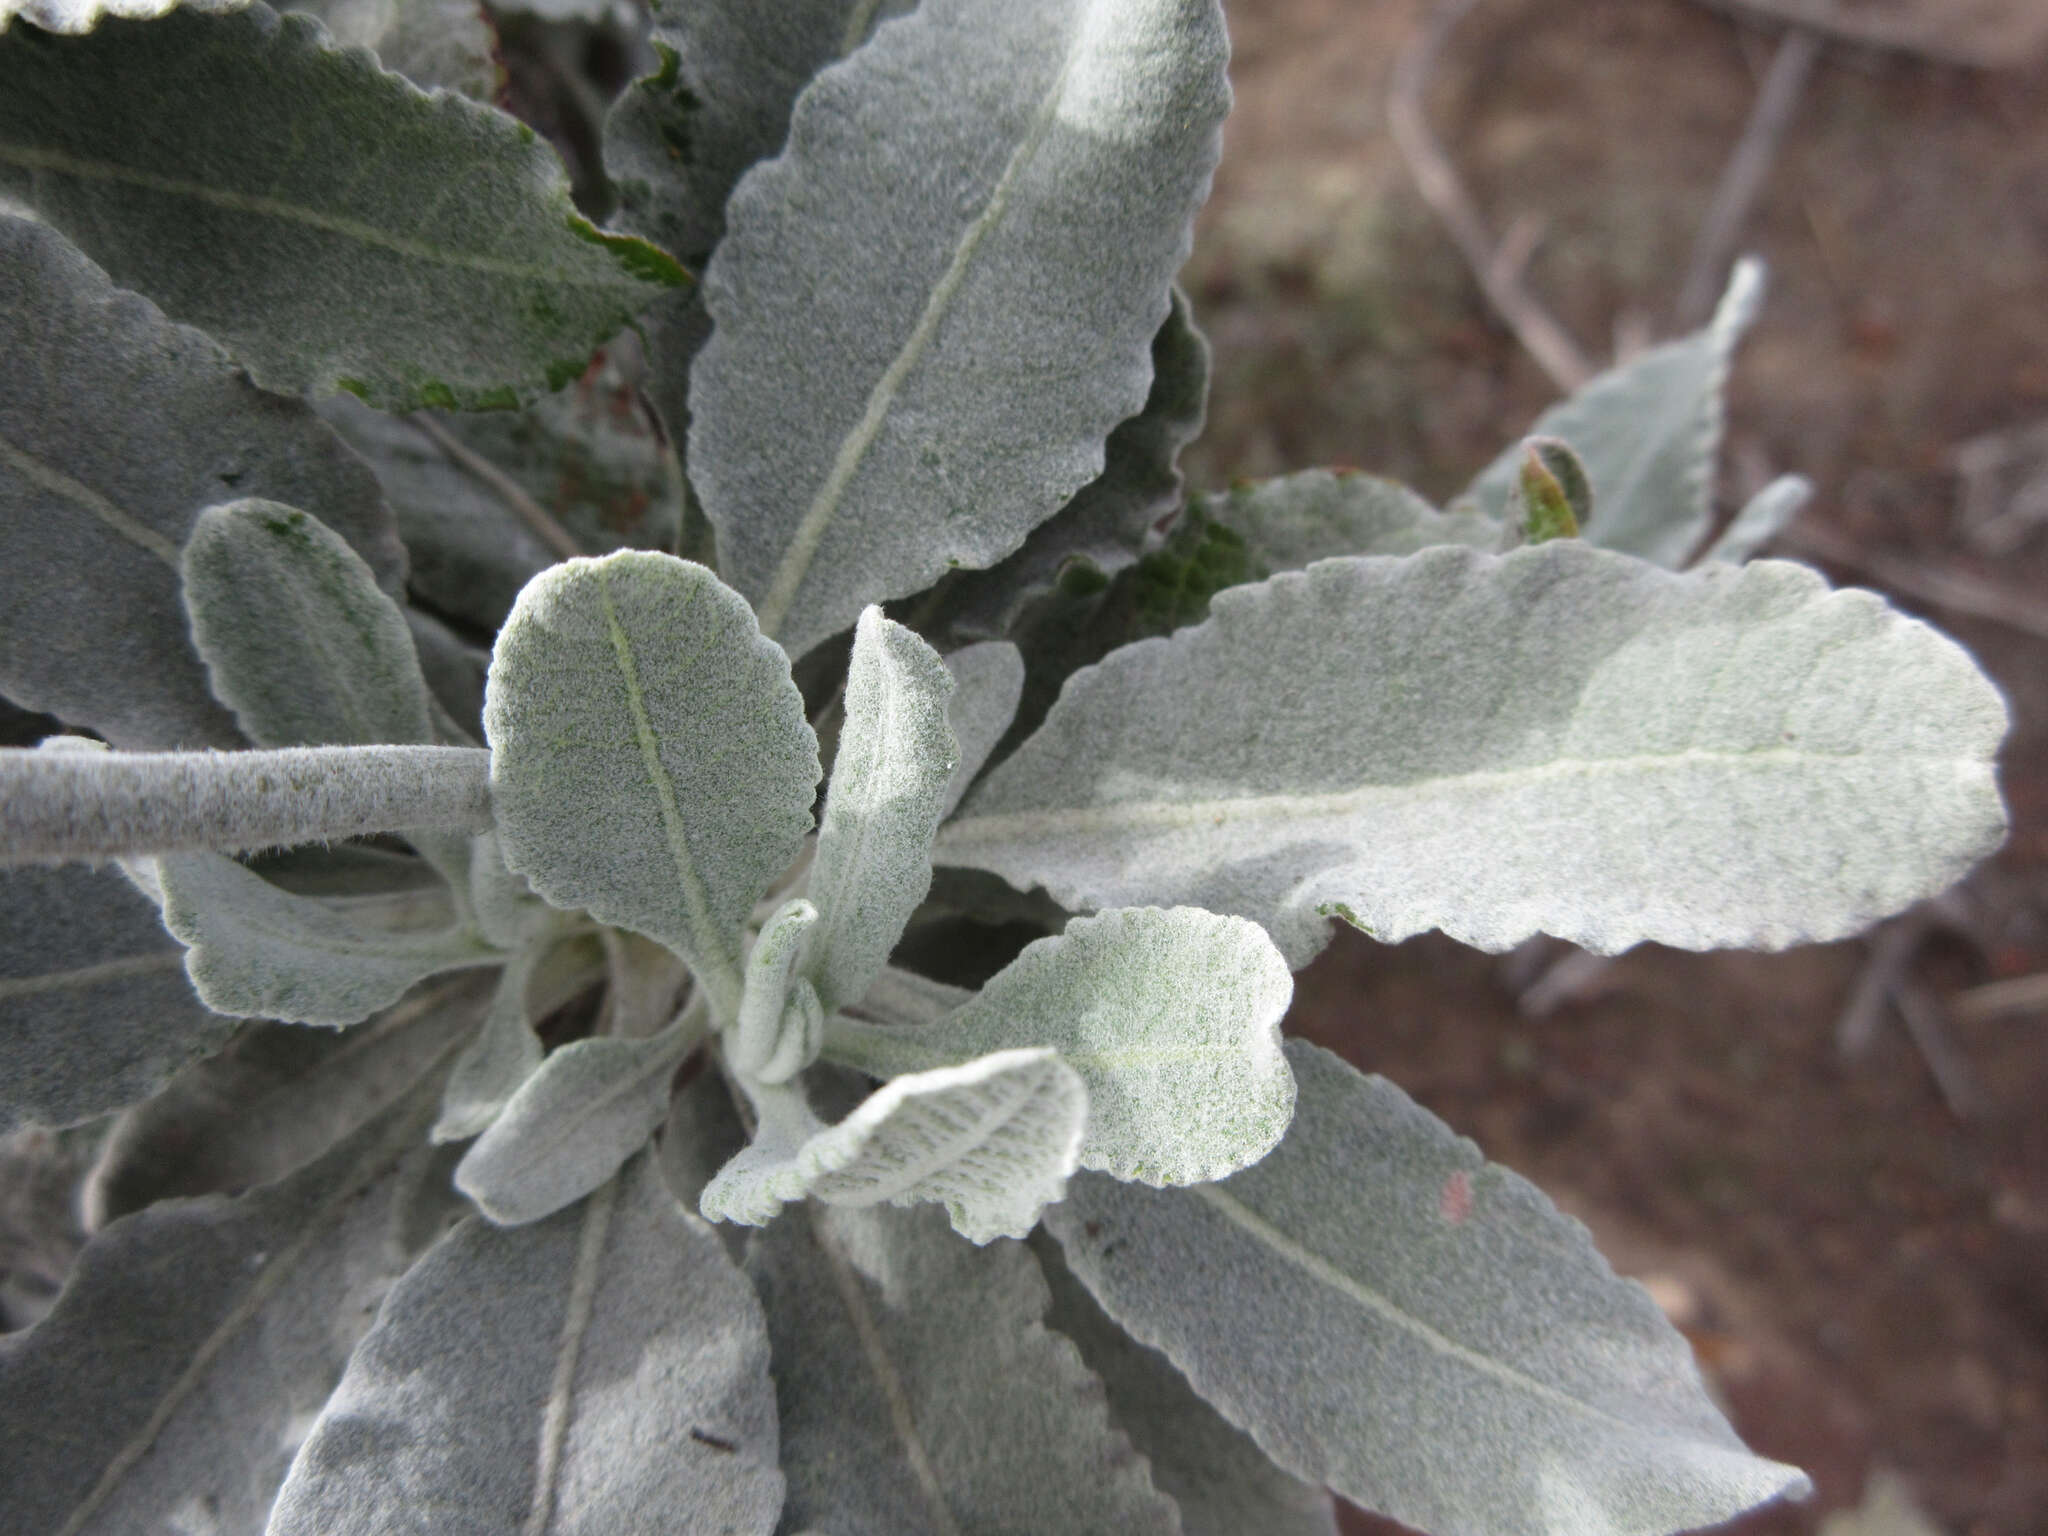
(1831, 1165)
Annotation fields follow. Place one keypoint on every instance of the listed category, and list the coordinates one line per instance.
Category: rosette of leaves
(603, 1149)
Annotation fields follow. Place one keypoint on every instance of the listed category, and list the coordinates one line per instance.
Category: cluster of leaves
(298, 429)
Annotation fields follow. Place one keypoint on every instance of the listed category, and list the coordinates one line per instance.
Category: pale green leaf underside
(1433, 1340)
(1223, 1484)
(896, 757)
(1561, 740)
(96, 502)
(604, 1373)
(175, 1371)
(1172, 1020)
(650, 760)
(95, 1010)
(1649, 433)
(921, 1395)
(257, 952)
(944, 407)
(589, 1107)
(993, 1141)
(328, 222)
(298, 639)
(76, 16)
(1295, 520)
(988, 680)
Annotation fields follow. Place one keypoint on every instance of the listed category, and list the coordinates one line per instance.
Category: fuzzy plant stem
(56, 806)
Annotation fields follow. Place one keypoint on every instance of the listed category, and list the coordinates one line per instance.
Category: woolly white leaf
(1294, 520)
(993, 1141)
(1560, 740)
(604, 1373)
(945, 408)
(1215, 1473)
(896, 756)
(1763, 517)
(650, 760)
(1432, 1340)
(1172, 1019)
(275, 1098)
(777, 1003)
(988, 680)
(592, 1105)
(95, 1010)
(95, 503)
(331, 224)
(498, 1060)
(76, 16)
(195, 1341)
(297, 637)
(433, 43)
(258, 952)
(921, 1395)
(1649, 433)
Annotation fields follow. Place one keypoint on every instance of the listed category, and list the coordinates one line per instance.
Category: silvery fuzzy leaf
(1172, 1019)
(76, 16)
(95, 505)
(650, 760)
(331, 225)
(1561, 740)
(298, 639)
(1762, 518)
(945, 406)
(677, 141)
(1294, 520)
(446, 44)
(1432, 1339)
(274, 1099)
(589, 1107)
(1223, 1484)
(1110, 520)
(603, 1373)
(992, 1140)
(896, 757)
(988, 680)
(1649, 433)
(95, 1010)
(922, 1395)
(499, 1059)
(195, 1341)
(256, 952)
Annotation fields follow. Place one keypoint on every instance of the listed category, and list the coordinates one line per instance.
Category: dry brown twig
(1497, 267)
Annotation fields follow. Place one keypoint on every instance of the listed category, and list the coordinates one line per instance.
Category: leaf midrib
(359, 231)
(1177, 812)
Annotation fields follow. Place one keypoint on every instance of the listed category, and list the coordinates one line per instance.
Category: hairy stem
(94, 805)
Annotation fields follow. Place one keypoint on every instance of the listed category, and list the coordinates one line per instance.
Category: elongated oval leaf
(988, 680)
(650, 760)
(110, 446)
(993, 1141)
(500, 1057)
(298, 639)
(604, 1373)
(1295, 520)
(1430, 1337)
(257, 952)
(941, 404)
(921, 1395)
(194, 1341)
(1561, 740)
(589, 1107)
(896, 757)
(95, 1010)
(1172, 1019)
(1215, 1473)
(1762, 518)
(333, 226)
(1648, 433)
